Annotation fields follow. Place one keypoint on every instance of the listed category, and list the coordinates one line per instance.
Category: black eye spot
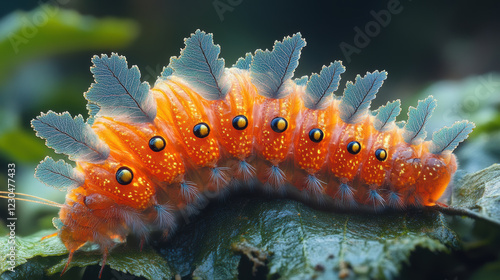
(201, 130)
(381, 154)
(240, 122)
(354, 147)
(316, 135)
(157, 143)
(124, 175)
(279, 124)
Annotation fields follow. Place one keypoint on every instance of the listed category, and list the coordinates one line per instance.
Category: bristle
(246, 170)
(164, 216)
(375, 198)
(314, 185)
(134, 220)
(345, 194)
(218, 177)
(395, 201)
(276, 177)
(189, 191)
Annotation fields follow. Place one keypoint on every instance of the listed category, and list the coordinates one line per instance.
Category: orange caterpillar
(146, 153)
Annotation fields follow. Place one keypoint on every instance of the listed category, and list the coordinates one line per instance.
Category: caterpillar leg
(70, 256)
(104, 258)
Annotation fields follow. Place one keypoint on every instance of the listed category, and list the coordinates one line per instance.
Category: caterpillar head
(88, 217)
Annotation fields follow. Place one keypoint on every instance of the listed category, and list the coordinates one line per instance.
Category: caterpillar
(146, 153)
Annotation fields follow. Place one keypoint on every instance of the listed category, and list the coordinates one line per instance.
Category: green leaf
(298, 240)
(128, 259)
(29, 247)
(146, 263)
(480, 192)
(50, 30)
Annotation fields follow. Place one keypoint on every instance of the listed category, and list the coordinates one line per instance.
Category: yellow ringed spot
(381, 154)
(124, 175)
(201, 130)
(240, 122)
(157, 143)
(316, 135)
(354, 147)
(279, 124)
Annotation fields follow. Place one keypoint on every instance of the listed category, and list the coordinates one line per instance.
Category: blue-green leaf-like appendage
(244, 63)
(59, 175)
(302, 81)
(119, 92)
(357, 97)
(448, 138)
(271, 71)
(167, 72)
(69, 136)
(386, 115)
(320, 88)
(93, 110)
(414, 131)
(199, 64)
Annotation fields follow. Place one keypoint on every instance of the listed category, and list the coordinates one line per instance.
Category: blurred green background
(448, 48)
